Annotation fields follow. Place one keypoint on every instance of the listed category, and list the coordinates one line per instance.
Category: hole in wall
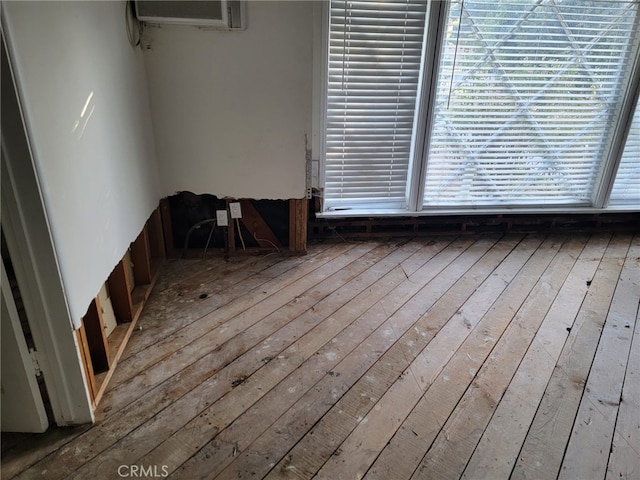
(188, 209)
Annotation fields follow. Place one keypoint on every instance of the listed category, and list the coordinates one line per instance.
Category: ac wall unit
(224, 14)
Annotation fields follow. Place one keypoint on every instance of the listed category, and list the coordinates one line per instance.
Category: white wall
(231, 109)
(83, 92)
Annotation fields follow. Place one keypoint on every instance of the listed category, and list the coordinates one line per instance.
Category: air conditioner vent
(225, 14)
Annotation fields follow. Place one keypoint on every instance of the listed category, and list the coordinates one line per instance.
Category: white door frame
(28, 236)
(22, 406)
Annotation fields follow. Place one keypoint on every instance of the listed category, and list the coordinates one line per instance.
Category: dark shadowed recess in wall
(342, 228)
(188, 209)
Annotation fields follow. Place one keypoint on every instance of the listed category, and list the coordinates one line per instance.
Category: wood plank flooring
(474, 357)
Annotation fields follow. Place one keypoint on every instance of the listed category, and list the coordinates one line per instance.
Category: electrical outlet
(222, 219)
(235, 210)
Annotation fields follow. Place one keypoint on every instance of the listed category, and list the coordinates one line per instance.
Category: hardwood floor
(481, 357)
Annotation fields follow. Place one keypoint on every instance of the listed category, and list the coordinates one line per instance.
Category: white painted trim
(44, 302)
(319, 88)
(22, 406)
(28, 236)
(381, 213)
(435, 23)
(607, 177)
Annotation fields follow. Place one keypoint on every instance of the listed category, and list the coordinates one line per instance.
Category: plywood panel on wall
(108, 315)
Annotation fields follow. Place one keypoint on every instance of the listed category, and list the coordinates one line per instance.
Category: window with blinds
(528, 96)
(375, 49)
(521, 108)
(626, 189)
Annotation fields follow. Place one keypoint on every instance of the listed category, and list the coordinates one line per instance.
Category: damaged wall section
(265, 225)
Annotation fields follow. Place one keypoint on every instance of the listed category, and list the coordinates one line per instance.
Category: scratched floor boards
(488, 357)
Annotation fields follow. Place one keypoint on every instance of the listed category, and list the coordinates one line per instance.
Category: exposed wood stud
(155, 233)
(86, 362)
(120, 289)
(298, 215)
(96, 337)
(141, 258)
(167, 232)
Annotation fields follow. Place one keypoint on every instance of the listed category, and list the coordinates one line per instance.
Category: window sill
(377, 212)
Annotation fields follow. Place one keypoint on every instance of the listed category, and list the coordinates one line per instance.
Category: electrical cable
(193, 227)
(213, 227)
(268, 241)
(240, 234)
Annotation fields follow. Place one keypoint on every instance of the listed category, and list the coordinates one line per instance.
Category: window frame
(635, 120)
(435, 24)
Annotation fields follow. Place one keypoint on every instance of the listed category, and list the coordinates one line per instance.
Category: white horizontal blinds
(525, 114)
(374, 66)
(626, 188)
